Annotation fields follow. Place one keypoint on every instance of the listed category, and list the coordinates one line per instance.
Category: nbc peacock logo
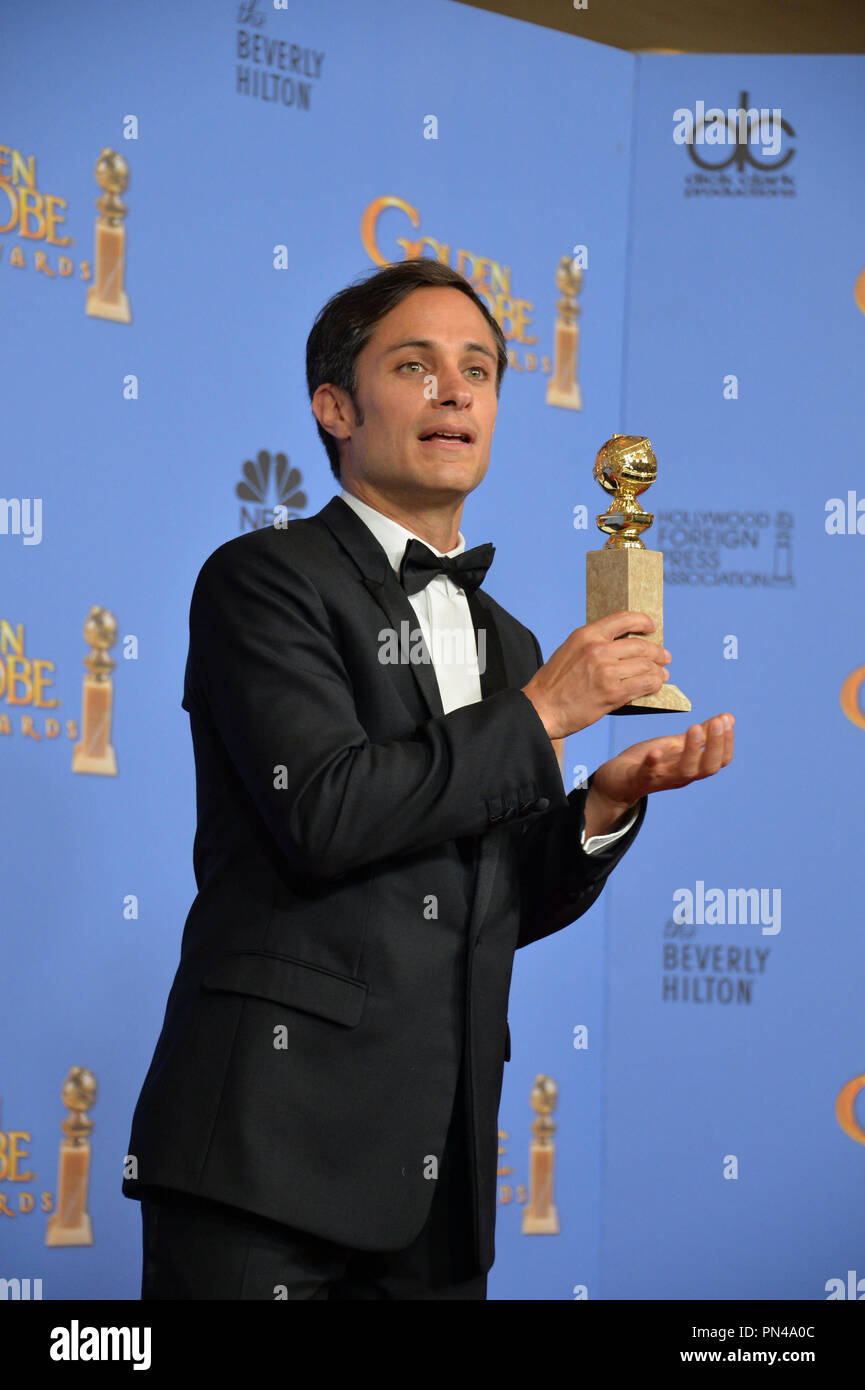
(271, 487)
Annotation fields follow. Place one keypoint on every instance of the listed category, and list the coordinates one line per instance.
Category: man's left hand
(657, 765)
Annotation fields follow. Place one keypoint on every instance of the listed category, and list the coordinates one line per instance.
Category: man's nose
(453, 389)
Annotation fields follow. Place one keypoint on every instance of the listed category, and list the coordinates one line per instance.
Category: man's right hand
(596, 670)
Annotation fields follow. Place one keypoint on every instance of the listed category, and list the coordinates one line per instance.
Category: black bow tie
(419, 565)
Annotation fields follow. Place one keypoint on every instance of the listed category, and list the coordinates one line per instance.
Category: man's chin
(443, 475)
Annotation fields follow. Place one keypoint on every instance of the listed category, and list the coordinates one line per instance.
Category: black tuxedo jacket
(366, 867)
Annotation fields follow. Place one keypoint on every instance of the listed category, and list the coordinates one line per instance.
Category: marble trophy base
(632, 580)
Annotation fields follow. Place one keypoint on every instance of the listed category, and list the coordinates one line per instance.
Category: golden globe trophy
(94, 752)
(70, 1223)
(540, 1217)
(106, 297)
(625, 576)
(563, 388)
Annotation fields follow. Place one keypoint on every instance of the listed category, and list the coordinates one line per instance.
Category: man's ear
(332, 408)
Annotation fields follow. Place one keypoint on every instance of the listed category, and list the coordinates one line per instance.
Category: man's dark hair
(347, 321)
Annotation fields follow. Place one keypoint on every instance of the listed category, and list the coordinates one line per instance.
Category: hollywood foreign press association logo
(741, 152)
(749, 548)
(271, 487)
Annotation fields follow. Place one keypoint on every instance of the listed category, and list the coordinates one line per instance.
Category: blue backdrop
(274, 155)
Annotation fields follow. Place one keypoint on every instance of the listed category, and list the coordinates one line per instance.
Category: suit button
(542, 803)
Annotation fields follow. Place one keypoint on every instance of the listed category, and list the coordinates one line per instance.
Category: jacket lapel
(494, 676)
(382, 583)
(379, 579)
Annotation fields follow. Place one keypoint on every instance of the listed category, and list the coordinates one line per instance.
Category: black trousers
(198, 1249)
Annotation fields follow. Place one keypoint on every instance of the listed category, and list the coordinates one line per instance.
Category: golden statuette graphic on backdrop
(106, 297)
(94, 752)
(70, 1223)
(625, 575)
(540, 1217)
(563, 387)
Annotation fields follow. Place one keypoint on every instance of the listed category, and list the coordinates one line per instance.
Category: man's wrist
(537, 705)
(602, 816)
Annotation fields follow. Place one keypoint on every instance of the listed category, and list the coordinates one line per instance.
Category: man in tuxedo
(381, 824)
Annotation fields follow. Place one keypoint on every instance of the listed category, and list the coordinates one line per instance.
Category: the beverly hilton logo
(272, 487)
(270, 66)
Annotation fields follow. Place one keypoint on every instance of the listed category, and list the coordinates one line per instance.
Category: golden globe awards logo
(26, 694)
(28, 704)
(36, 219)
(68, 1220)
(850, 1286)
(852, 691)
(17, 1177)
(845, 1112)
(490, 279)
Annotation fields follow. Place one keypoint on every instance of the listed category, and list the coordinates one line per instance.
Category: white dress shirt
(445, 620)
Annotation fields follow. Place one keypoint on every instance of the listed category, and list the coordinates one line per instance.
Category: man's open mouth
(452, 436)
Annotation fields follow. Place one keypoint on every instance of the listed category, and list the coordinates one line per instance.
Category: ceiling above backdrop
(701, 26)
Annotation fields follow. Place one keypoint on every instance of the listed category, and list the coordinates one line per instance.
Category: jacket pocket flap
(291, 982)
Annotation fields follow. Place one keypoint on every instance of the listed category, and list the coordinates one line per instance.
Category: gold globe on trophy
(625, 466)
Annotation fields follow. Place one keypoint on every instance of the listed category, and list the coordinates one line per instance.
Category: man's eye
(413, 364)
(482, 370)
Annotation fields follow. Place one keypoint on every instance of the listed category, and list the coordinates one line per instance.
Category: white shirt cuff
(598, 842)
